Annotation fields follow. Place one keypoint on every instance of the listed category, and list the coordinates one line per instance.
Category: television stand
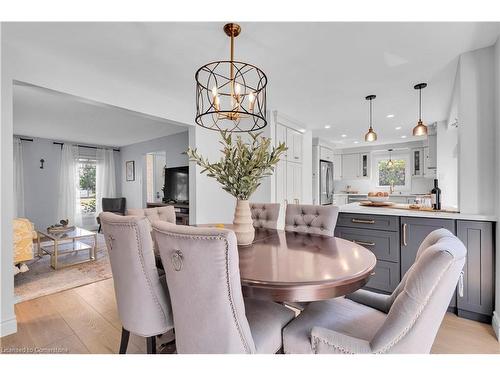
(181, 211)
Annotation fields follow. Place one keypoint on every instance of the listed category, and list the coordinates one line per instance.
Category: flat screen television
(177, 184)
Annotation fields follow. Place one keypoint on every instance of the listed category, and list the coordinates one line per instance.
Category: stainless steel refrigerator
(325, 182)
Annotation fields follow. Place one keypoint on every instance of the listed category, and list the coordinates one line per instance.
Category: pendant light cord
(420, 104)
(370, 113)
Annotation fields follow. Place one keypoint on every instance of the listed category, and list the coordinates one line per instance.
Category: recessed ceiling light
(344, 135)
(390, 116)
(302, 130)
(327, 126)
(356, 142)
(403, 136)
(398, 127)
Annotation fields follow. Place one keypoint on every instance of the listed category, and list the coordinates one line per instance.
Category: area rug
(42, 279)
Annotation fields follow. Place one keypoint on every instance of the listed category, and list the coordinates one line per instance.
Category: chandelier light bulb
(214, 91)
(216, 103)
(251, 100)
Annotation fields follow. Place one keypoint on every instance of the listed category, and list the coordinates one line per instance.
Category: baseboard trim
(8, 327)
(495, 322)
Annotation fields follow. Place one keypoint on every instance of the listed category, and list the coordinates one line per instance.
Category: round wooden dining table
(293, 267)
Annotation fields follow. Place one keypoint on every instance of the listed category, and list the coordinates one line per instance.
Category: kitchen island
(394, 236)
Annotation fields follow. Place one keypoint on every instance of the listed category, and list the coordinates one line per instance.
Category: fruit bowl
(377, 197)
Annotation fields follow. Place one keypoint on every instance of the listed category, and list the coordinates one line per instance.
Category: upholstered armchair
(312, 219)
(406, 321)
(265, 215)
(114, 205)
(141, 294)
(201, 265)
(24, 234)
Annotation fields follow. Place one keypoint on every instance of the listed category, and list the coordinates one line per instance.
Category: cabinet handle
(363, 243)
(404, 234)
(295, 157)
(362, 221)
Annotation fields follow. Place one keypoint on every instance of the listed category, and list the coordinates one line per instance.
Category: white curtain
(69, 199)
(18, 178)
(105, 177)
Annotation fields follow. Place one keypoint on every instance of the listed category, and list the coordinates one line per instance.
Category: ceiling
(39, 112)
(319, 73)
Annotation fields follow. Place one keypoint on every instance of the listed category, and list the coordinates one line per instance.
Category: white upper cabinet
(325, 153)
(350, 166)
(417, 161)
(281, 138)
(356, 166)
(364, 165)
(294, 143)
(431, 154)
(337, 166)
(293, 140)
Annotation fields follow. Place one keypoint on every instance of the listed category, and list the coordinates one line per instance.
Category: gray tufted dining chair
(265, 215)
(210, 315)
(406, 321)
(141, 295)
(312, 219)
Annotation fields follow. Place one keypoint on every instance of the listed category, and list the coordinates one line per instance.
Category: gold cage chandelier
(231, 95)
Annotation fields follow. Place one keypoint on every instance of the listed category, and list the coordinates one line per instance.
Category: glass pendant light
(370, 136)
(421, 128)
(390, 163)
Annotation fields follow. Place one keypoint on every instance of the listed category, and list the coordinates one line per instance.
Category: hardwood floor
(85, 320)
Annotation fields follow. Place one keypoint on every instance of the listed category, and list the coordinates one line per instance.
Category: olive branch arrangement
(242, 165)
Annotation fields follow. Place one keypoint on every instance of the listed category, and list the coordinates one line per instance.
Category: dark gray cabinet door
(413, 232)
(479, 272)
(385, 277)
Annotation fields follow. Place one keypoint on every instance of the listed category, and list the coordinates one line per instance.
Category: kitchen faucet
(391, 187)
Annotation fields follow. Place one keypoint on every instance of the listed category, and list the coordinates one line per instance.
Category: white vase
(243, 223)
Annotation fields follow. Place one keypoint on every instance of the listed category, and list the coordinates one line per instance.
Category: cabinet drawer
(384, 244)
(386, 277)
(380, 222)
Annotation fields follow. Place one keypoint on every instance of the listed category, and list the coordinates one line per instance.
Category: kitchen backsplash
(419, 185)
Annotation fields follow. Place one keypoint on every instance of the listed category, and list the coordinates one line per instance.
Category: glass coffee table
(64, 248)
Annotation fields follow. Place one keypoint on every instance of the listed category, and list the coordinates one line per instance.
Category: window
(398, 174)
(87, 182)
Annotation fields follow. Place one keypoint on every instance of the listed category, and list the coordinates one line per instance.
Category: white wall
(214, 205)
(496, 314)
(173, 145)
(307, 168)
(447, 163)
(478, 139)
(40, 67)
(41, 186)
(476, 133)
(8, 322)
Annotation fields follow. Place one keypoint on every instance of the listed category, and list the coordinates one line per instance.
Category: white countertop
(355, 208)
(391, 195)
